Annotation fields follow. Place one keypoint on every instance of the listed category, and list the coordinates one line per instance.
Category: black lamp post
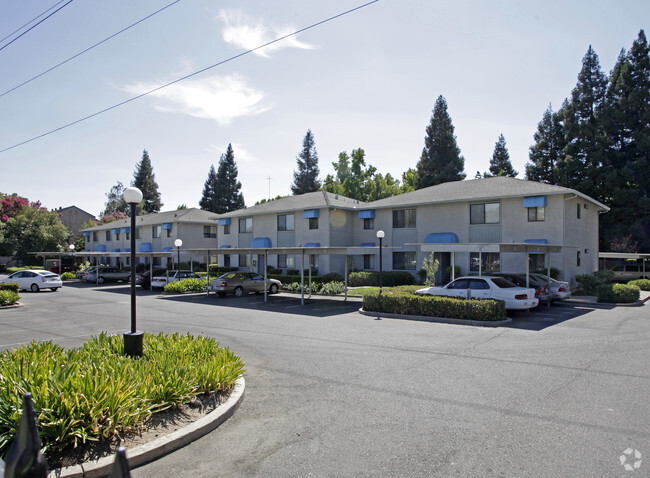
(380, 236)
(178, 243)
(133, 339)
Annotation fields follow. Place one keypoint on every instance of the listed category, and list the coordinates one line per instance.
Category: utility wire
(32, 20)
(87, 49)
(34, 26)
(203, 70)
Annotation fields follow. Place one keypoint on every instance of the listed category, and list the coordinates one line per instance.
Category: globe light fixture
(178, 243)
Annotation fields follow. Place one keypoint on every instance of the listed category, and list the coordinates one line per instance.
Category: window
(535, 214)
(108, 235)
(209, 232)
(369, 223)
(404, 218)
(87, 238)
(578, 212)
(95, 236)
(404, 261)
(156, 261)
(368, 261)
(155, 231)
(537, 263)
(137, 233)
(226, 229)
(488, 262)
(243, 260)
(169, 233)
(117, 236)
(484, 213)
(286, 262)
(226, 260)
(127, 236)
(285, 222)
(578, 255)
(313, 223)
(246, 225)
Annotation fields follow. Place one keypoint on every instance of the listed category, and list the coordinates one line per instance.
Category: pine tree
(228, 188)
(500, 164)
(548, 149)
(210, 199)
(305, 180)
(440, 161)
(145, 180)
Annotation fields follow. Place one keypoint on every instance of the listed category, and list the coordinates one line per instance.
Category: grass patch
(386, 290)
(95, 392)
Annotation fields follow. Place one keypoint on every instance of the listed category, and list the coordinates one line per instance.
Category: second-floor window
(286, 222)
(404, 218)
(313, 223)
(368, 223)
(117, 236)
(108, 235)
(487, 213)
(95, 236)
(210, 232)
(535, 214)
(246, 225)
(226, 229)
(155, 231)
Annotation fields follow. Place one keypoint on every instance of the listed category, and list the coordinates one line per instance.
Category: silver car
(560, 290)
(240, 283)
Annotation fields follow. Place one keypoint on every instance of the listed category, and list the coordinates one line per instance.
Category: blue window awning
(167, 249)
(86, 234)
(535, 201)
(224, 221)
(261, 243)
(145, 247)
(312, 244)
(167, 226)
(441, 238)
(115, 230)
(116, 250)
(126, 230)
(367, 244)
(535, 241)
(100, 248)
(127, 250)
(369, 214)
(225, 247)
(310, 213)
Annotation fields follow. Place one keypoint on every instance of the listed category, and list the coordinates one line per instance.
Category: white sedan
(35, 280)
(515, 297)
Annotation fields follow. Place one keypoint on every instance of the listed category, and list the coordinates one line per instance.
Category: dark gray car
(542, 291)
(240, 283)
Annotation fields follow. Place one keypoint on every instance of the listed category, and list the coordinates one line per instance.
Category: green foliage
(12, 286)
(591, 282)
(618, 293)
(186, 285)
(352, 178)
(228, 187)
(555, 273)
(294, 277)
(8, 297)
(548, 150)
(643, 284)
(430, 266)
(215, 269)
(305, 180)
(75, 402)
(145, 180)
(11, 270)
(332, 277)
(500, 164)
(68, 276)
(389, 278)
(331, 288)
(409, 303)
(210, 199)
(114, 203)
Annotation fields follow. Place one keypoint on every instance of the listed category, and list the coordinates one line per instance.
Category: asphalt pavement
(562, 391)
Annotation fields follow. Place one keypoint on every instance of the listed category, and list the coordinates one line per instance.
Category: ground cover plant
(8, 297)
(618, 293)
(643, 284)
(95, 392)
(187, 285)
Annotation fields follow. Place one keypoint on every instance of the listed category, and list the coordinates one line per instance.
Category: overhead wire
(88, 49)
(198, 72)
(34, 26)
(32, 20)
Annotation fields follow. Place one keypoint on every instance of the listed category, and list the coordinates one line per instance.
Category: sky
(368, 79)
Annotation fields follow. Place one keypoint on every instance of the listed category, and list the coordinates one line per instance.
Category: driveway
(330, 392)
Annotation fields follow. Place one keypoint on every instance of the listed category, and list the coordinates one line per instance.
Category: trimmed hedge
(12, 286)
(332, 277)
(214, 269)
(8, 297)
(294, 278)
(590, 283)
(407, 303)
(618, 293)
(331, 288)
(643, 284)
(388, 278)
(186, 285)
(68, 276)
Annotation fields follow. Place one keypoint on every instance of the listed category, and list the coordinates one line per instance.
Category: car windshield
(503, 283)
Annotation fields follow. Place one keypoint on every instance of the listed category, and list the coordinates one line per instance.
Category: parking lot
(330, 392)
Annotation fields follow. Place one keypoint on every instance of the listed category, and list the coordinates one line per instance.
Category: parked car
(83, 273)
(144, 279)
(35, 280)
(159, 282)
(240, 283)
(484, 287)
(560, 290)
(108, 274)
(542, 290)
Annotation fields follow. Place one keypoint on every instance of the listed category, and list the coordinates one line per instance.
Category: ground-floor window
(404, 261)
(487, 262)
(368, 261)
(243, 260)
(537, 263)
(286, 261)
(156, 261)
(226, 260)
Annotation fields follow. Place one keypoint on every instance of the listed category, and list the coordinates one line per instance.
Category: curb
(440, 320)
(163, 445)
(12, 306)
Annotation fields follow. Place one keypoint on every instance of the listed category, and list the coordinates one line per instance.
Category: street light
(133, 339)
(178, 243)
(380, 236)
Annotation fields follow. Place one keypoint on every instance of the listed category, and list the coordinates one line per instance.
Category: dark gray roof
(315, 200)
(192, 215)
(476, 190)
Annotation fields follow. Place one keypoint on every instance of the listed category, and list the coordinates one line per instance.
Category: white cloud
(219, 98)
(247, 32)
(241, 154)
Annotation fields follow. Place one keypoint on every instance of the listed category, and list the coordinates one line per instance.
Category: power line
(88, 49)
(34, 26)
(32, 20)
(203, 70)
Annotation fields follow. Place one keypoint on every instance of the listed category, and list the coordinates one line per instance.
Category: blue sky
(366, 80)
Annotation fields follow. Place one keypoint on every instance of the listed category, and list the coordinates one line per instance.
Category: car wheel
(100, 280)
(221, 294)
(273, 289)
(238, 292)
(35, 288)
(54, 289)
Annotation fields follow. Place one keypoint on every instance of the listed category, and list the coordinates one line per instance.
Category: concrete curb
(12, 306)
(163, 445)
(441, 320)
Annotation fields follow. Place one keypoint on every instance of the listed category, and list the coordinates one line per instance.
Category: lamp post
(380, 236)
(133, 339)
(178, 243)
(71, 248)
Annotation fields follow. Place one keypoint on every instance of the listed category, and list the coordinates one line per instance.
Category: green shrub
(68, 276)
(332, 277)
(76, 403)
(643, 284)
(591, 282)
(332, 288)
(11, 270)
(216, 270)
(618, 293)
(8, 297)
(13, 286)
(288, 279)
(408, 303)
(388, 279)
(186, 285)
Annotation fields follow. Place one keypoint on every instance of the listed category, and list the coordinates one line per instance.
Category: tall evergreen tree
(305, 180)
(548, 149)
(500, 164)
(230, 197)
(210, 199)
(145, 180)
(440, 161)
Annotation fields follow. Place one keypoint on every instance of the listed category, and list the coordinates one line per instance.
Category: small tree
(305, 180)
(145, 180)
(500, 164)
(430, 266)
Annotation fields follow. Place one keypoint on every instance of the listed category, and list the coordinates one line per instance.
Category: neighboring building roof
(63, 210)
(477, 190)
(315, 200)
(192, 215)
